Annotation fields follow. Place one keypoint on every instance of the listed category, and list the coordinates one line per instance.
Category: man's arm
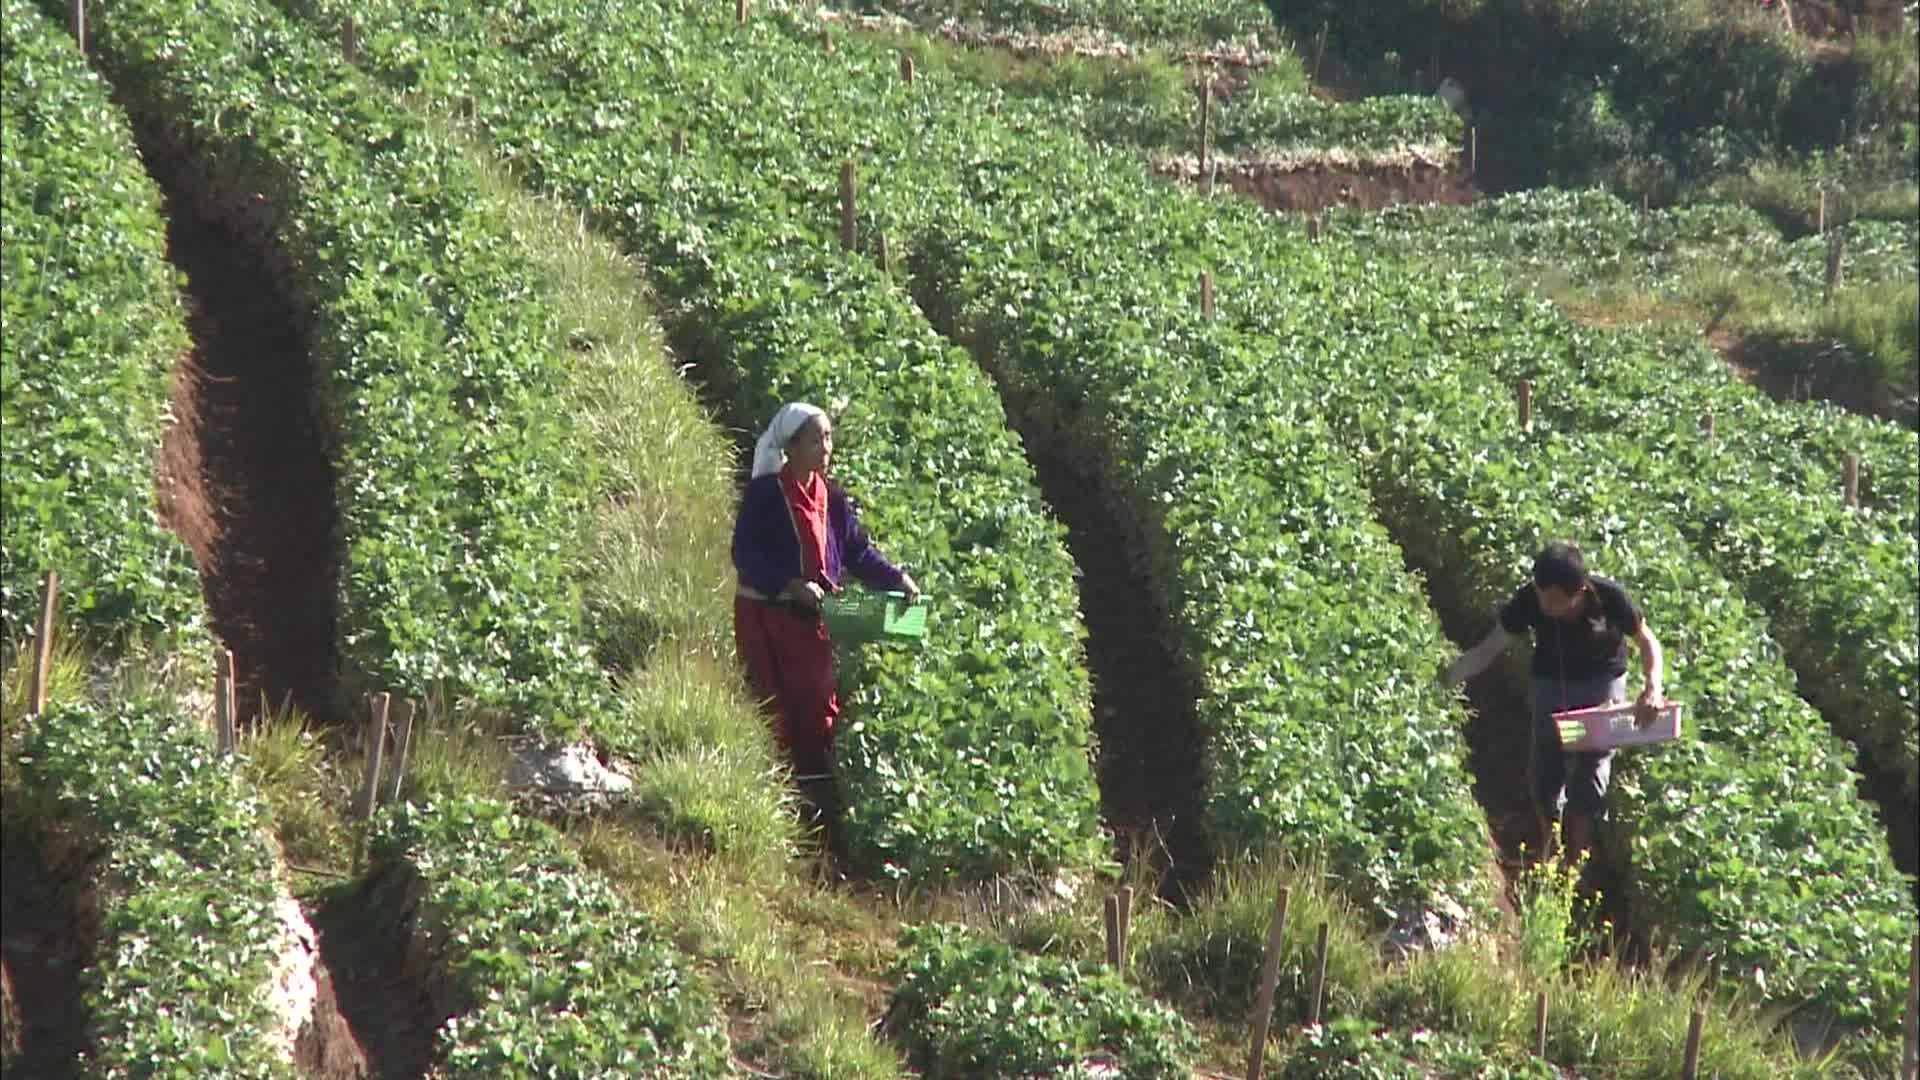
(1475, 660)
(1652, 665)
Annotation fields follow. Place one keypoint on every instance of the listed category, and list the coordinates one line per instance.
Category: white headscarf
(770, 452)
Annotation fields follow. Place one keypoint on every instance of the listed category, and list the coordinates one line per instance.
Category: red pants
(789, 661)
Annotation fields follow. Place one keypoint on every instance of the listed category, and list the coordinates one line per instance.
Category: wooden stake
(1473, 151)
(1690, 1066)
(826, 40)
(847, 194)
(1269, 977)
(906, 68)
(1836, 251)
(1526, 404)
(79, 21)
(1910, 1043)
(740, 11)
(1314, 228)
(1113, 931)
(1820, 221)
(469, 108)
(1206, 294)
(1319, 51)
(376, 752)
(886, 255)
(350, 40)
(402, 747)
(1319, 977)
(1126, 920)
(43, 644)
(1206, 133)
(223, 695)
(1706, 423)
(679, 142)
(1850, 479)
(1643, 204)
(1540, 1025)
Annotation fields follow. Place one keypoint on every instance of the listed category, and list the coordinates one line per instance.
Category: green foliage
(187, 887)
(1153, 22)
(458, 489)
(563, 976)
(94, 325)
(967, 1006)
(1354, 1048)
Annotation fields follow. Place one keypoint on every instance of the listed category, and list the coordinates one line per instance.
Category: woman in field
(796, 538)
(1581, 624)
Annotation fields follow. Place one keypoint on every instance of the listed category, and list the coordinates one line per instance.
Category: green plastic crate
(856, 617)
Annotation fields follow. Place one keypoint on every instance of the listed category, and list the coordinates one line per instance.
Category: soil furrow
(49, 922)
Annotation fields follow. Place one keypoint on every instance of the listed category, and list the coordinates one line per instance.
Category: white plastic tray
(1609, 727)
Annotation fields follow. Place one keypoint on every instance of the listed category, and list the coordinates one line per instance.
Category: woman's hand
(805, 593)
(907, 586)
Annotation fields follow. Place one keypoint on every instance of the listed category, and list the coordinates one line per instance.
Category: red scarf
(808, 503)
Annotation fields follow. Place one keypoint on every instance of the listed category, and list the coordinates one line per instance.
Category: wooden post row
(1319, 997)
(1269, 977)
(1690, 1065)
(43, 644)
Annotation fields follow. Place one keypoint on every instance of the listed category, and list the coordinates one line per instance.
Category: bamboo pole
(376, 752)
(43, 644)
(1696, 1027)
(1269, 978)
(848, 193)
(1318, 999)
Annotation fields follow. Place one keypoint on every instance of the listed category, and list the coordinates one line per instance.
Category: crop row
(540, 966)
(173, 850)
(1155, 22)
(94, 325)
(459, 497)
(918, 133)
(968, 757)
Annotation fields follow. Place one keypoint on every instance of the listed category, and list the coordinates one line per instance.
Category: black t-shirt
(1589, 645)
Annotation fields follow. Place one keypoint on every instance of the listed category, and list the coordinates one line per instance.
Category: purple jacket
(766, 544)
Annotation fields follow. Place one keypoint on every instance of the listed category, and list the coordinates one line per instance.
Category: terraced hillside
(1205, 504)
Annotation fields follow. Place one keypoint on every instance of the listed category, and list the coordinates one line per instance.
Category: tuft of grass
(456, 754)
(718, 799)
(1208, 960)
(1879, 326)
(71, 659)
(287, 760)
